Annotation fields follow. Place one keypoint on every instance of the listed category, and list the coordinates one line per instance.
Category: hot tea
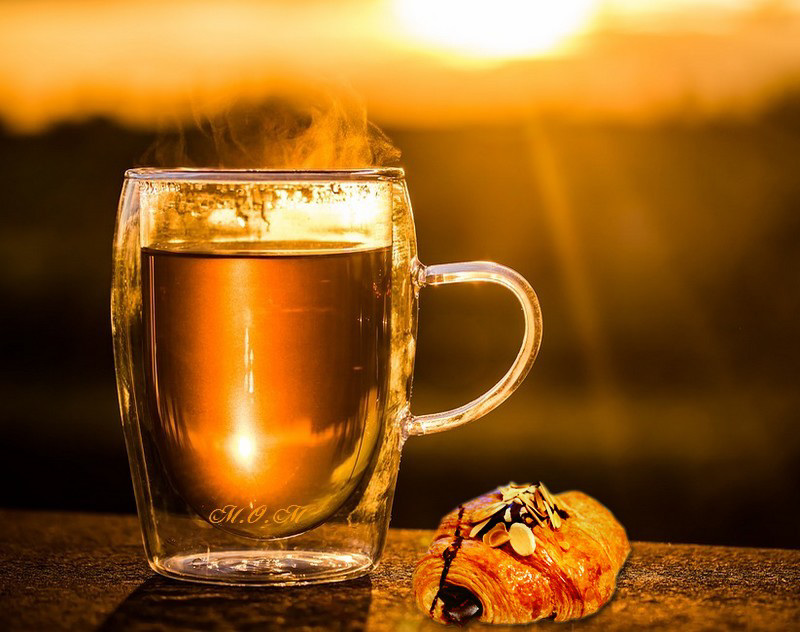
(266, 371)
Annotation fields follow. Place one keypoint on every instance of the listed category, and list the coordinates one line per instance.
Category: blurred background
(638, 162)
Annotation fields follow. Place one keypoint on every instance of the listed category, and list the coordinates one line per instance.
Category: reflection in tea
(266, 376)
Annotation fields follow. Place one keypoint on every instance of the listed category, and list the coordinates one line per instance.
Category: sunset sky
(139, 61)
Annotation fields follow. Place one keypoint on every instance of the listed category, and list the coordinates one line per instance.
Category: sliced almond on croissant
(522, 540)
(477, 528)
(496, 536)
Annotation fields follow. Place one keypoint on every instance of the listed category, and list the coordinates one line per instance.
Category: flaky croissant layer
(570, 573)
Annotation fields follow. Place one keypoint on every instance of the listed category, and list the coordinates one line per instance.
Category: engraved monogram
(234, 514)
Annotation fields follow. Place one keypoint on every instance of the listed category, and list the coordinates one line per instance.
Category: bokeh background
(640, 165)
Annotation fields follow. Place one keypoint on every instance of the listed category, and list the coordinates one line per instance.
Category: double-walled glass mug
(264, 330)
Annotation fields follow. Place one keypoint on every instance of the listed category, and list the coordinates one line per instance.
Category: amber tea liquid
(267, 377)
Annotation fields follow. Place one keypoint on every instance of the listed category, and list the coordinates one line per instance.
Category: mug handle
(484, 271)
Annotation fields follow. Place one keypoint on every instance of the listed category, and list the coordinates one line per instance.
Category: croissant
(519, 554)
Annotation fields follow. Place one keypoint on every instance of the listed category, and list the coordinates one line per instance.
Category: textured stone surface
(83, 572)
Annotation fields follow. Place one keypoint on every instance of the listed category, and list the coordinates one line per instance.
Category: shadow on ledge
(165, 604)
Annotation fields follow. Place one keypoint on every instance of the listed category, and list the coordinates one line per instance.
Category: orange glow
(415, 62)
(242, 449)
(494, 30)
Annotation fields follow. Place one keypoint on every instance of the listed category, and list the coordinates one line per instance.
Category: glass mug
(264, 329)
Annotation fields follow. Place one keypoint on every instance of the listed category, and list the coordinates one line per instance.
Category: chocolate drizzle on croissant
(448, 555)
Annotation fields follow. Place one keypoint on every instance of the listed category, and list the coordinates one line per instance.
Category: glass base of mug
(265, 568)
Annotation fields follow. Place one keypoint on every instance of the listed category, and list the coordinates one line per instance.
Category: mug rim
(263, 175)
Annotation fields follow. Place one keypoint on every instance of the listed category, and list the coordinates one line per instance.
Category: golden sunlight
(496, 29)
(414, 62)
(242, 448)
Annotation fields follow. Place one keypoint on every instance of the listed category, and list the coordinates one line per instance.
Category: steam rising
(325, 129)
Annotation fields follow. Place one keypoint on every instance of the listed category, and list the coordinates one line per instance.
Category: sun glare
(242, 448)
(494, 29)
